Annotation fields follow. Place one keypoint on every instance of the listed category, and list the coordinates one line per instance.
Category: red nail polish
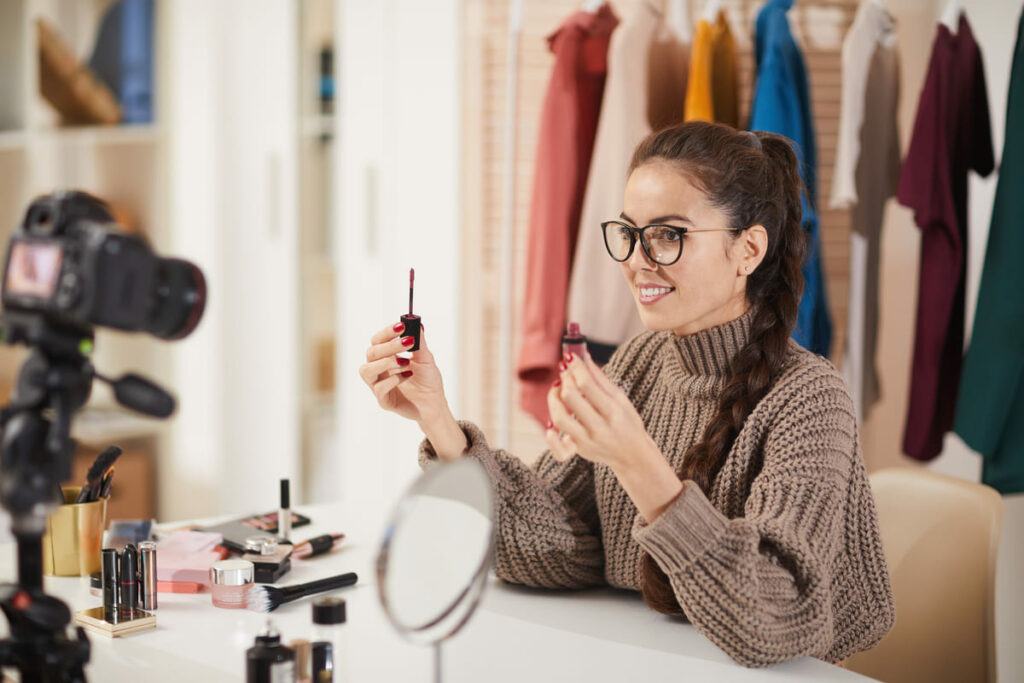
(403, 361)
(408, 341)
(562, 367)
(407, 373)
(568, 357)
(549, 425)
(398, 327)
(557, 383)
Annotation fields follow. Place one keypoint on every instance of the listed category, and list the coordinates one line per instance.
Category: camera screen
(33, 269)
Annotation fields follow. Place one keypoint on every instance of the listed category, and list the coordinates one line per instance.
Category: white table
(518, 634)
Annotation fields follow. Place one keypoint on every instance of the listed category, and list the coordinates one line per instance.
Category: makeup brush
(262, 598)
(94, 478)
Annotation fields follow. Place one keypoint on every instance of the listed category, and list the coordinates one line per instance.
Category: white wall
(398, 190)
(230, 110)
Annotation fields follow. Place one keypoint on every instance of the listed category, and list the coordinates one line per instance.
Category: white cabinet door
(398, 189)
(231, 106)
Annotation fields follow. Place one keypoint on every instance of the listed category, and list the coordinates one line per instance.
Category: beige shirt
(866, 174)
(646, 85)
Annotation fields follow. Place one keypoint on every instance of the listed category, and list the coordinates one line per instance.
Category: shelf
(103, 426)
(136, 134)
(318, 125)
(12, 140)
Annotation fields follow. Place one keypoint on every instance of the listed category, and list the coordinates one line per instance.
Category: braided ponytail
(754, 179)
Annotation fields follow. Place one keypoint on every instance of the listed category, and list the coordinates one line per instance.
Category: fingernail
(407, 373)
(408, 341)
(403, 361)
(549, 425)
(557, 383)
(562, 367)
(398, 327)
(569, 357)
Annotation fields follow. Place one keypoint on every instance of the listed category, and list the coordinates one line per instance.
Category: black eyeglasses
(663, 244)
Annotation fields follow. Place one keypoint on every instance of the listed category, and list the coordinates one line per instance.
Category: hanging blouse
(951, 136)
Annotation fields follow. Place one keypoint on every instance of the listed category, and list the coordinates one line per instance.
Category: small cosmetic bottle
(284, 516)
(270, 560)
(229, 580)
(329, 646)
(268, 661)
(574, 342)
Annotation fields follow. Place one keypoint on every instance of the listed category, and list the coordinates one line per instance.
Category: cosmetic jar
(229, 580)
(329, 646)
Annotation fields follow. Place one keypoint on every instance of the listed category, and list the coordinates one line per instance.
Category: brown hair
(754, 179)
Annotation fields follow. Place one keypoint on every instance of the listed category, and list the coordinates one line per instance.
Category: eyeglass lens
(663, 243)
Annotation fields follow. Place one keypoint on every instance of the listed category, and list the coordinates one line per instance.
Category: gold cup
(74, 535)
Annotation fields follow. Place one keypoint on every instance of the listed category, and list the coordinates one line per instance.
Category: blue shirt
(782, 104)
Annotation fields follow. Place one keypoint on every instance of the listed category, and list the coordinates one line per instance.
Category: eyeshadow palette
(114, 623)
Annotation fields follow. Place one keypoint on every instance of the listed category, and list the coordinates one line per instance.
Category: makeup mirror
(436, 553)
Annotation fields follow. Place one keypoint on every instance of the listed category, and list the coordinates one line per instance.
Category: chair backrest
(941, 539)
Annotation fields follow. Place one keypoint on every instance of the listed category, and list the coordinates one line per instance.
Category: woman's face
(707, 285)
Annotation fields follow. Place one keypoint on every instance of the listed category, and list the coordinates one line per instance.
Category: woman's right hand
(410, 387)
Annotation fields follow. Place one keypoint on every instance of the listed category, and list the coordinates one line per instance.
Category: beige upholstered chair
(941, 538)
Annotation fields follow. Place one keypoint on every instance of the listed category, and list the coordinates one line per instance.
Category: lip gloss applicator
(411, 321)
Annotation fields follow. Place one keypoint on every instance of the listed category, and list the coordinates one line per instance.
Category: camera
(69, 262)
(69, 268)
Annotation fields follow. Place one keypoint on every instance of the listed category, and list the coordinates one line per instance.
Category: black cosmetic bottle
(268, 661)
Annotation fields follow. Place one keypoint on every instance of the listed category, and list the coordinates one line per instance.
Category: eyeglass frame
(637, 235)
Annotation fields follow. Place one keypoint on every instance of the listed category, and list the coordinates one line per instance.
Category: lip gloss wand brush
(412, 321)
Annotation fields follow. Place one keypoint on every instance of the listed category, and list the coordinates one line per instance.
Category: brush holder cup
(74, 536)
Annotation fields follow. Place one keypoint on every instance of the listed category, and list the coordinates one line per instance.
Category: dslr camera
(69, 263)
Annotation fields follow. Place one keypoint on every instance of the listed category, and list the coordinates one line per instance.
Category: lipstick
(412, 322)
(111, 578)
(129, 579)
(147, 574)
(574, 342)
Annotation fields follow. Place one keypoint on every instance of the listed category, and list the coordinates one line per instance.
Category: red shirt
(565, 143)
(951, 136)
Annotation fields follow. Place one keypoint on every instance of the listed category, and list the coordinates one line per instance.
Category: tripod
(53, 383)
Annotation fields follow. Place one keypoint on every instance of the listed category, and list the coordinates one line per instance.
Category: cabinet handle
(371, 210)
(274, 195)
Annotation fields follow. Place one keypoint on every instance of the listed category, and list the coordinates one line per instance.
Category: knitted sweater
(785, 558)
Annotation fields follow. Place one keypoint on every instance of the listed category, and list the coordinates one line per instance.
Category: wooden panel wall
(819, 27)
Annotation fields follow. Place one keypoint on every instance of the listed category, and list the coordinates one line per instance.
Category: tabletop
(517, 634)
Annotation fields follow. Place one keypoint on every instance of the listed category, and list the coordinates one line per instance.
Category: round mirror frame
(473, 592)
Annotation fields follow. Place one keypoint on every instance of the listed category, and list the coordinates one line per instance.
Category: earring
(746, 268)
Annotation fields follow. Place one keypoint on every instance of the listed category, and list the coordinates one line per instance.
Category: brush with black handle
(94, 478)
(262, 598)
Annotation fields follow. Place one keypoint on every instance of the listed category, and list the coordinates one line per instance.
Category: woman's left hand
(594, 418)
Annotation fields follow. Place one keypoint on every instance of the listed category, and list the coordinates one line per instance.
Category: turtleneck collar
(708, 353)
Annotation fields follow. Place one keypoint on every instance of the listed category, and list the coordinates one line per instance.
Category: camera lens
(180, 298)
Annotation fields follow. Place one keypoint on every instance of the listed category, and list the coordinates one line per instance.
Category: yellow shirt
(711, 93)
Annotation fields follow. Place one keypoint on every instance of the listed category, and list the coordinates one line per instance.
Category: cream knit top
(784, 559)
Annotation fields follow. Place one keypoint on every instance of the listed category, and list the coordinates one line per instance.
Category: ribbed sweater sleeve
(547, 528)
(760, 586)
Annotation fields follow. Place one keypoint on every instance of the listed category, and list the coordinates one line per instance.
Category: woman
(713, 464)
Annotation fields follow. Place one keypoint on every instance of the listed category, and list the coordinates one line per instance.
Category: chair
(941, 540)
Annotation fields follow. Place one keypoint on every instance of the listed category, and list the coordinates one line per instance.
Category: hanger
(711, 10)
(951, 17)
(592, 5)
